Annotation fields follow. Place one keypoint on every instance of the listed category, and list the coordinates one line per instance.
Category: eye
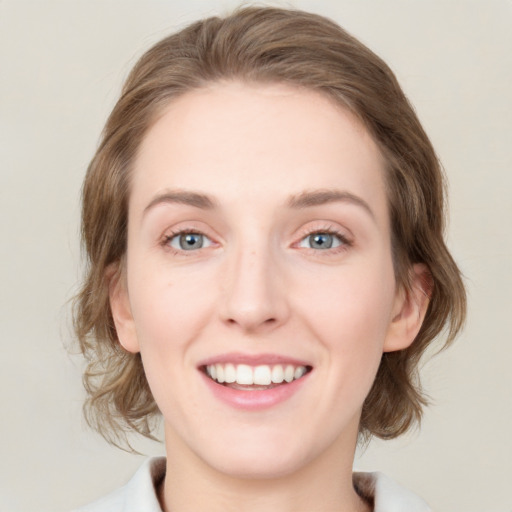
(188, 241)
(322, 241)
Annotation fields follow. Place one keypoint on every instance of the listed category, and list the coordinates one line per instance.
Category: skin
(259, 286)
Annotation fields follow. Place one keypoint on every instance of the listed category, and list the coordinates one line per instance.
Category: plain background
(61, 67)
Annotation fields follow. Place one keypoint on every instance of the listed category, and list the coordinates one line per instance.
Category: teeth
(262, 375)
(229, 373)
(277, 374)
(299, 372)
(244, 375)
(289, 372)
(220, 372)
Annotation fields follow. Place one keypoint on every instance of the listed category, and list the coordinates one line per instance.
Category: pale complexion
(288, 255)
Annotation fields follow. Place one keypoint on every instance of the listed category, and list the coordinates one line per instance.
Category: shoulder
(387, 495)
(138, 494)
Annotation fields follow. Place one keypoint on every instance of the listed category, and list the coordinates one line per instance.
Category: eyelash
(345, 243)
(166, 241)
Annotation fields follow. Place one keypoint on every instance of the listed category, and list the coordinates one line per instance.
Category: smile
(254, 382)
(261, 375)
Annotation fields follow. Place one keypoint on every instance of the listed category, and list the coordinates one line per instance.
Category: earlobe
(121, 310)
(410, 309)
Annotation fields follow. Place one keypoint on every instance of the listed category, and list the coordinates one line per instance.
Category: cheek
(355, 300)
(349, 312)
(170, 309)
(169, 314)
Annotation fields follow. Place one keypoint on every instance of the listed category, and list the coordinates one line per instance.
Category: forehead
(262, 141)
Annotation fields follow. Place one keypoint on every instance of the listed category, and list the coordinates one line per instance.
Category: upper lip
(252, 359)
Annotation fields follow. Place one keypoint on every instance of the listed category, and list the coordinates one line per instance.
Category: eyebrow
(306, 199)
(194, 199)
(320, 197)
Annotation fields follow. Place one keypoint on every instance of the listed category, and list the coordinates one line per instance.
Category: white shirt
(139, 494)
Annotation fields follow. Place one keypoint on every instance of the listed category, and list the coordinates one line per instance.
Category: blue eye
(188, 241)
(321, 241)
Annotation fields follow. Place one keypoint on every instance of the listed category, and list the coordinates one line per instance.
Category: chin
(259, 455)
(250, 466)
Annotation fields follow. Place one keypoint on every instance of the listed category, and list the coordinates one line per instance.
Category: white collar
(386, 494)
(140, 494)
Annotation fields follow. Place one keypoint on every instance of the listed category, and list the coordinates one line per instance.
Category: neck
(323, 485)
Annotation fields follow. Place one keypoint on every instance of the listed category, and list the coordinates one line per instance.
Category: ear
(121, 309)
(409, 309)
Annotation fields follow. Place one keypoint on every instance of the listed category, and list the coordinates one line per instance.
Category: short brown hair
(265, 45)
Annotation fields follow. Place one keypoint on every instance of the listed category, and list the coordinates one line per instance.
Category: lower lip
(254, 400)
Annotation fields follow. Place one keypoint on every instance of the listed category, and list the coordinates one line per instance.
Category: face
(259, 281)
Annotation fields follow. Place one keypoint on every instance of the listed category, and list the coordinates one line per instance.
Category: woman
(264, 226)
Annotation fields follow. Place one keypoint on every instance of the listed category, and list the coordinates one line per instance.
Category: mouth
(245, 377)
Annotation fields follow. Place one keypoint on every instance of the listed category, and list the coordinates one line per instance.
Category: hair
(264, 46)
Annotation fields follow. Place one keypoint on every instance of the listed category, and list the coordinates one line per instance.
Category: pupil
(191, 241)
(321, 241)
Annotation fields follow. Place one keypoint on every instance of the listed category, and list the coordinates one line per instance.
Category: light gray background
(61, 67)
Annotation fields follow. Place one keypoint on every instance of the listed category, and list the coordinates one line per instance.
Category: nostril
(250, 322)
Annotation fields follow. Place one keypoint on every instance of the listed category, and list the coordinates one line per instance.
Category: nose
(254, 292)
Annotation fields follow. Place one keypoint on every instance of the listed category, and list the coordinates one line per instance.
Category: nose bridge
(253, 295)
